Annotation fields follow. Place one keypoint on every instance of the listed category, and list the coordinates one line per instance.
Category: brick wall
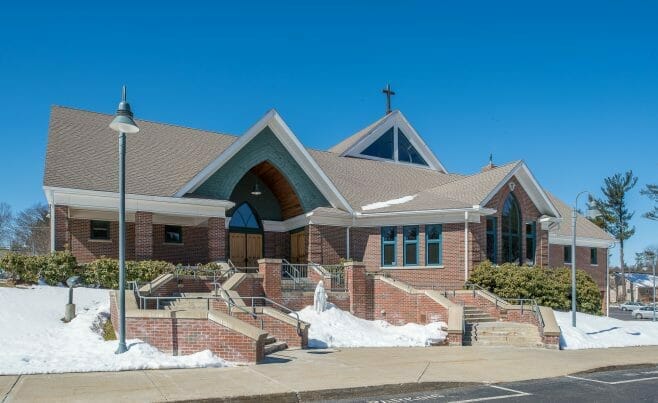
(282, 331)
(193, 249)
(326, 244)
(399, 307)
(217, 239)
(143, 235)
(85, 249)
(62, 240)
(276, 245)
(582, 262)
(297, 300)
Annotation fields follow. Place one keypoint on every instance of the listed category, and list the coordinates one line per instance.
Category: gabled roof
(584, 227)
(355, 145)
(82, 153)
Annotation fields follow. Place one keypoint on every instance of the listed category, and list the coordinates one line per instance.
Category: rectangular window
(434, 244)
(593, 256)
(388, 246)
(492, 229)
(173, 234)
(530, 242)
(410, 245)
(567, 254)
(99, 230)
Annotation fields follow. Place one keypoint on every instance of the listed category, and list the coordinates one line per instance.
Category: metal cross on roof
(388, 91)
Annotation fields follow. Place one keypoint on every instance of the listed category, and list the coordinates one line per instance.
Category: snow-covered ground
(33, 339)
(337, 328)
(603, 332)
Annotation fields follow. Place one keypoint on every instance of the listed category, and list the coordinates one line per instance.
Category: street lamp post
(123, 123)
(574, 214)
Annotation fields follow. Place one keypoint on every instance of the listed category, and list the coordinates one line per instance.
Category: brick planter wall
(399, 307)
(281, 330)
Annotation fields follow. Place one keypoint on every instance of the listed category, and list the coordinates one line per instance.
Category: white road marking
(515, 393)
(613, 383)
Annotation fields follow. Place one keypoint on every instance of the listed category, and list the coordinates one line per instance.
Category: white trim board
(292, 144)
(109, 201)
(555, 239)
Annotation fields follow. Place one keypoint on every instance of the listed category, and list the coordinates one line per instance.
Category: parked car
(646, 312)
(631, 306)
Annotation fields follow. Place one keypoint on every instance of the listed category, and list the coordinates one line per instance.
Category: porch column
(143, 235)
(270, 270)
(61, 228)
(355, 277)
(216, 239)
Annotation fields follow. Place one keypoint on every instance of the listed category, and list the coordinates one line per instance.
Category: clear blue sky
(571, 88)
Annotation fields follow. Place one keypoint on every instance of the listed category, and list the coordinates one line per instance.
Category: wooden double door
(245, 249)
(298, 250)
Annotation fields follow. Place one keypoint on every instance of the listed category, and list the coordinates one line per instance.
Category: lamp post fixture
(574, 214)
(123, 123)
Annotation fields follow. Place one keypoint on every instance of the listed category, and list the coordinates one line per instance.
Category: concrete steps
(505, 334)
(475, 315)
(273, 347)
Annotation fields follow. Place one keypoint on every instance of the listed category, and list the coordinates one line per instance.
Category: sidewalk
(306, 374)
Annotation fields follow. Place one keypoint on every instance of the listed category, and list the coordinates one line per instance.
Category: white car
(646, 312)
(631, 306)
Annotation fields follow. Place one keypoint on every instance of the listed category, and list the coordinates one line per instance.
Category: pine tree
(614, 210)
(652, 192)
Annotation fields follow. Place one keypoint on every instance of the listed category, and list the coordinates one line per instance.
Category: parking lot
(626, 385)
(617, 313)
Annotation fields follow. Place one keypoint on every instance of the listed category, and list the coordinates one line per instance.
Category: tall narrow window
(530, 242)
(434, 244)
(99, 230)
(593, 256)
(511, 230)
(383, 147)
(567, 254)
(410, 245)
(388, 246)
(492, 228)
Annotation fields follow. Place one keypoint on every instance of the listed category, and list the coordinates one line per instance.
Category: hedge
(549, 287)
(57, 267)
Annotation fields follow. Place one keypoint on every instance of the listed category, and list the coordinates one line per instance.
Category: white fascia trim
(580, 241)
(292, 145)
(535, 192)
(396, 118)
(109, 201)
(280, 226)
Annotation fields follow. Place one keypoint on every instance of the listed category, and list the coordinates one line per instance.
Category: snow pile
(388, 203)
(337, 328)
(603, 332)
(33, 338)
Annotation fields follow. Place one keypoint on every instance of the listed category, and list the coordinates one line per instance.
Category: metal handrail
(241, 269)
(229, 301)
(513, 301)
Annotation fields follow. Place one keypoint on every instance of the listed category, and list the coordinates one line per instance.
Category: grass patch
(108, 331)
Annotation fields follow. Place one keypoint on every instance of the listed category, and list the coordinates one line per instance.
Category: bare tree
(6, 219)
(32, 230)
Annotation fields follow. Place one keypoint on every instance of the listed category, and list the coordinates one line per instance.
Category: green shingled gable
(264, 147)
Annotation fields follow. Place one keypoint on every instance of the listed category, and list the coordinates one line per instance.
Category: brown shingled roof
(82, 153)
(584, 227)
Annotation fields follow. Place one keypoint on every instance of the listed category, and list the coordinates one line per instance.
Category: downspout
(348, 235)
(52, 221)
(466, 254)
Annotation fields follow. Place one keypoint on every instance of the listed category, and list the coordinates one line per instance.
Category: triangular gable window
(407, 152)
(383, 147)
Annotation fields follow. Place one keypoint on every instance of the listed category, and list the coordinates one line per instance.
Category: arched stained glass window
(244, 217)
(511, 231)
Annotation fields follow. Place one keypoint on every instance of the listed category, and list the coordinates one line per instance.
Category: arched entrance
(245, 237)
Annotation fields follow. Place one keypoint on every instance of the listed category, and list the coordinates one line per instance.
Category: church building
(379, 196)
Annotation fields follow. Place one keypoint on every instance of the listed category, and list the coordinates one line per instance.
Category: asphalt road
(624, 315)
(627, 385)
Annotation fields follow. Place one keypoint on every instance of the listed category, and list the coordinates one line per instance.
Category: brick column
(270, 270)
(355, 277)
(143, 235)
(216, 239)
(62, 228)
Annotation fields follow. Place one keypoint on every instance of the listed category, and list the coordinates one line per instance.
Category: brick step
(270, 340)
(480, 320)
(274, 347)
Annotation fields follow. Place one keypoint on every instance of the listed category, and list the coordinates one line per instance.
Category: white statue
(320, 298)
